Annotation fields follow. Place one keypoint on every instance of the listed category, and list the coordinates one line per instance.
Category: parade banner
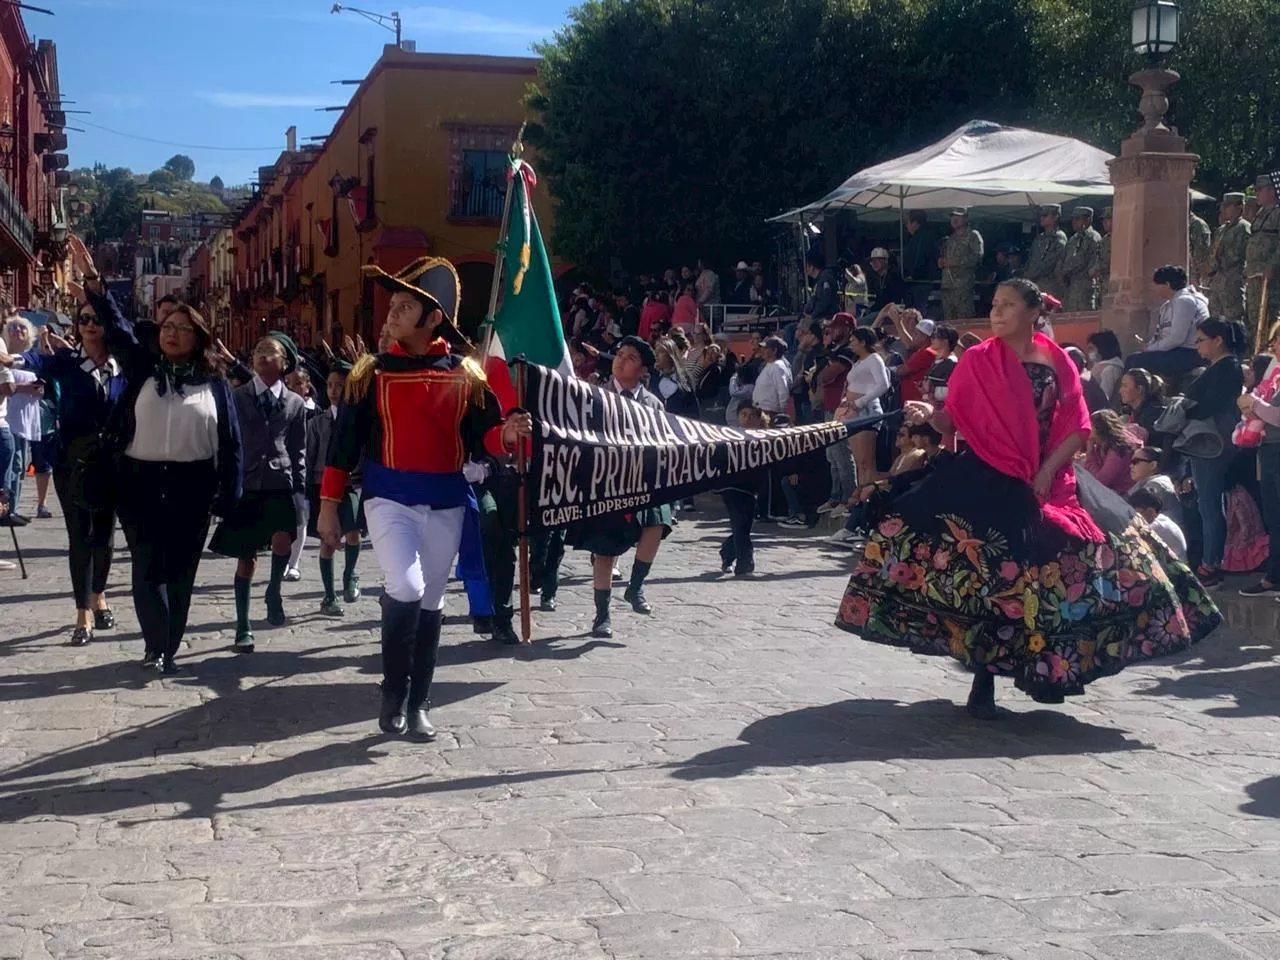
(597, 453)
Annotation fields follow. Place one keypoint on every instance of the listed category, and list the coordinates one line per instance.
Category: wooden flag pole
(522, 514)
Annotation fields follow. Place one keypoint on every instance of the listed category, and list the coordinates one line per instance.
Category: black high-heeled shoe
(104, 619)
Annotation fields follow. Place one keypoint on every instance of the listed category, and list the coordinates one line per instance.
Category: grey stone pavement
(732, 778)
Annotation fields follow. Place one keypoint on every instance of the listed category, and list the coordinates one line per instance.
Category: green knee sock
(350, 554)
(279, 564)
(242, 587)
(326, 577)
(639, 570)
(603, 597)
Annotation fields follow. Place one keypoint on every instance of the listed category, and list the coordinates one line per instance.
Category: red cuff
(333, 484)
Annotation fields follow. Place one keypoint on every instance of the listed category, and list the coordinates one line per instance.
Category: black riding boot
(425, 646)
(399, 627)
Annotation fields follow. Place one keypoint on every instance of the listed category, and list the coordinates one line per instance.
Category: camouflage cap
(1266, 180)
(960, 212)
(1051, 208)
(1233, 198)
(1086, 212)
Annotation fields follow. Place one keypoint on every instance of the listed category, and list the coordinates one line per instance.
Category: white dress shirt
(175, 428)
(773, 387)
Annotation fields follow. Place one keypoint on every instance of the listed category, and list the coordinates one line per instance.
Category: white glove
(475, 472)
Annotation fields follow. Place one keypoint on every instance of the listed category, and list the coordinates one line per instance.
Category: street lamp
(1156, 35)
(389, 21)
(1156, 29)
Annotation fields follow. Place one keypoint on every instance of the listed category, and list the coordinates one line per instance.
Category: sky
(235, 74)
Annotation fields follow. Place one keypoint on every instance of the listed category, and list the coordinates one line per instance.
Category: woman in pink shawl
(1006, 558)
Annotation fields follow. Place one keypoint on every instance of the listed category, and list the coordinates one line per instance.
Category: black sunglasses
(1145, 460)
(88, 318)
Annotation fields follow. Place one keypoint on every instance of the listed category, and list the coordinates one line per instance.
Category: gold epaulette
(477, 381)
(360, 377)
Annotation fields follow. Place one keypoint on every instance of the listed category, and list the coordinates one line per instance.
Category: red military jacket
(412, 422)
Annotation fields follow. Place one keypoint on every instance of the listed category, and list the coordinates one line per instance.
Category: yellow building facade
(415, 165)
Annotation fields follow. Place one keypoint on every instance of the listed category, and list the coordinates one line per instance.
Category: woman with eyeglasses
(177, 428)
(90, 381)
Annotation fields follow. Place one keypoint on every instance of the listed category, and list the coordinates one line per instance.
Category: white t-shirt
(175, 428)
(24, 408)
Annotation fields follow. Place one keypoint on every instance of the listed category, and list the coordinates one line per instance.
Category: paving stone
(658, 936)
(769, 790)
(1173, 946)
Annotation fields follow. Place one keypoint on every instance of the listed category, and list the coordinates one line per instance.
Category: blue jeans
(794, 507)
(1269, 495)
(6, 466)
(19, 471)
(1210, 477)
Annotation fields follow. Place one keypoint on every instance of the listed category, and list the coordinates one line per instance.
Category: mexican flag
(528, 321)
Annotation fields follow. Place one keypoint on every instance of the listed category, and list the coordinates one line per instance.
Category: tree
(163, 179)
(120, 212)
(181, 166)
(670, 129)
(216, 185)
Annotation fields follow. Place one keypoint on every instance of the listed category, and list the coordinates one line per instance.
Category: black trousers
(737, 547)
(546, 553)
(498, 525)
(165, 510)
(89, 535)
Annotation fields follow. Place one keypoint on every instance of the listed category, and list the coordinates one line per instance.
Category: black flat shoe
(548, 605)
(150, 661)
(244, 642)
(503, 633)
(170, 668)
(418, 726)
(602, 629)
(104, 619)
(81, 636)
(637, 600)
(482, 625)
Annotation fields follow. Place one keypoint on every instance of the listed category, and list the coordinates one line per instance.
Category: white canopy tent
(1002, 171)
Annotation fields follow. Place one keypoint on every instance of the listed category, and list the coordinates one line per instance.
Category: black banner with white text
(596, 453)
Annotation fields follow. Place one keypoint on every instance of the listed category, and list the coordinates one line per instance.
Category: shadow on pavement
(1264, 798)
(1253, 688)
(854, 730)
(262, 714)
(481, 651)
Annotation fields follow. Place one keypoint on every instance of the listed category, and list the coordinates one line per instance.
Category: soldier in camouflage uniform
(1046, 251)
(1262, 256)
(1226, 260)
(1201, 238)
(1102, 272)
(961, 255)
(1079, 261)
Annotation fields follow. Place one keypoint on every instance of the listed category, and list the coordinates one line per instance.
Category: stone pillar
(1152, 177)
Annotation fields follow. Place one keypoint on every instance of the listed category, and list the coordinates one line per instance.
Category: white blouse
(869, 379)
(173, 428)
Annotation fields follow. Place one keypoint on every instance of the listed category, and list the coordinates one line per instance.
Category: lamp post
(389, 21)
(1156, 33)
(1152, 178)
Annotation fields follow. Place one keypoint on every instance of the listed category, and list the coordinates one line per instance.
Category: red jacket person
(410, 418)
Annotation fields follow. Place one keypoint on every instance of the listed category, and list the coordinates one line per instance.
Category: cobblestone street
(731, 778)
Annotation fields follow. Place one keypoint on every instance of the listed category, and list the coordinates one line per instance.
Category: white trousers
(415, 547)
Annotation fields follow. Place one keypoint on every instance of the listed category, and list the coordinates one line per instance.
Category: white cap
(742, 265)
(926, 326)
(879, 253)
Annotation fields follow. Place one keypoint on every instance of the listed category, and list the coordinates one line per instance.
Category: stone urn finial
(1153, 106)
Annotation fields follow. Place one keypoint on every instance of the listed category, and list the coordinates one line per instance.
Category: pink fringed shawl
(990, 400)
